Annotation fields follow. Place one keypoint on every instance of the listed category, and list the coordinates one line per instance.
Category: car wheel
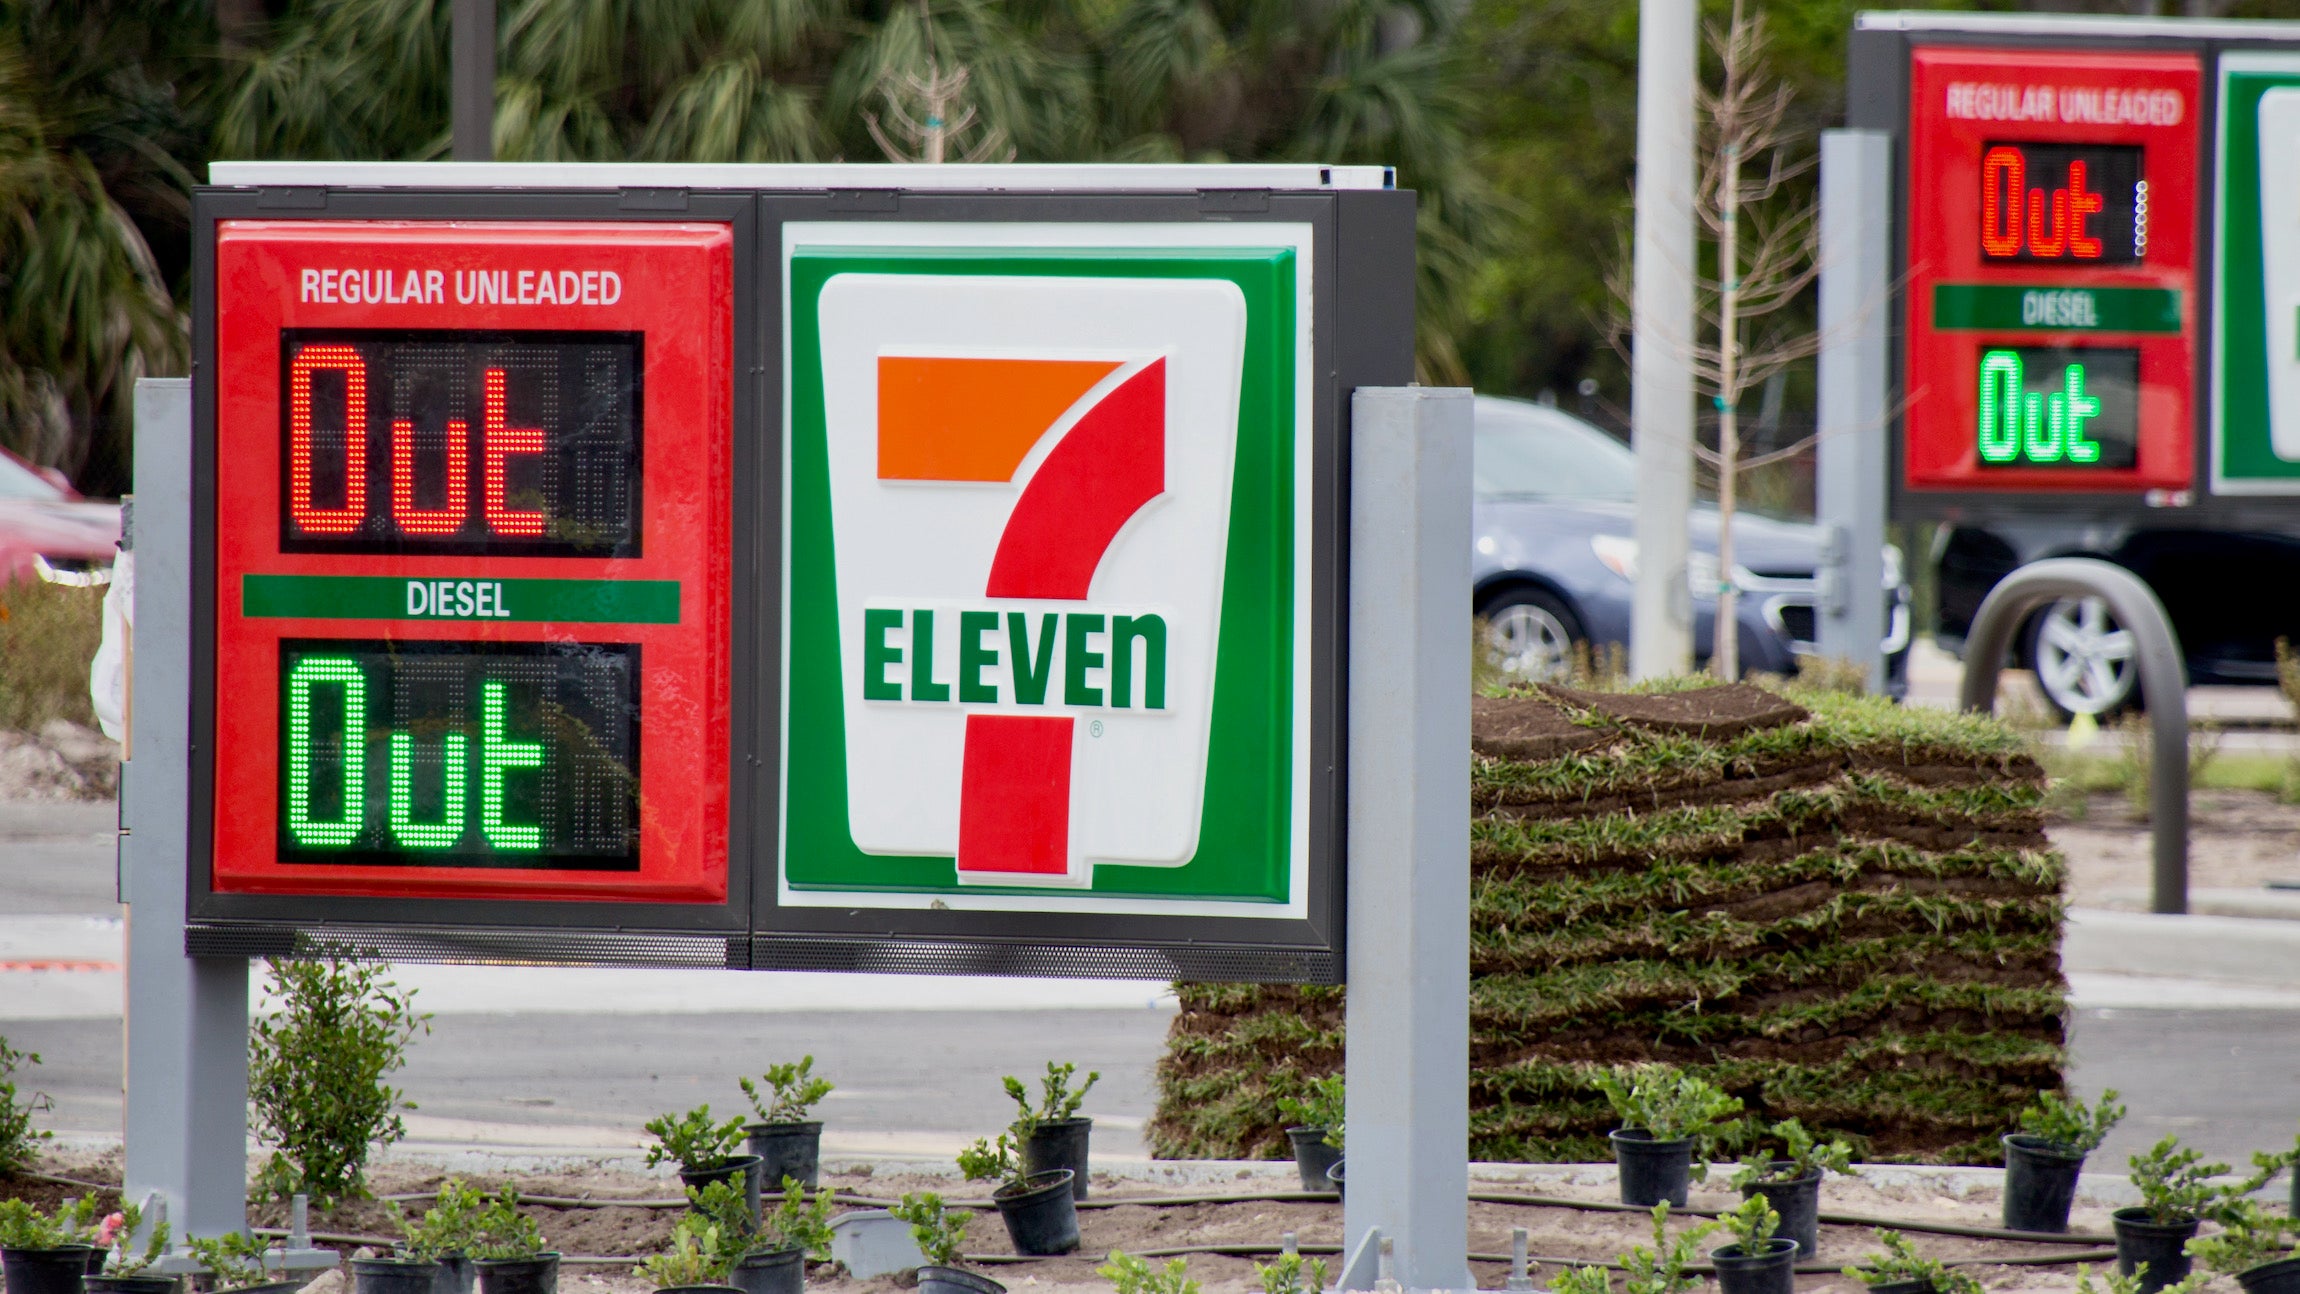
(1530, 635)
(2085, 661)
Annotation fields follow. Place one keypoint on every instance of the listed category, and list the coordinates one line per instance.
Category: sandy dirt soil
(2237, 840)
(1555, 1233)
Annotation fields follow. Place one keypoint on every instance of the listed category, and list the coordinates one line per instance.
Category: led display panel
(2050, 333)
(472, 560)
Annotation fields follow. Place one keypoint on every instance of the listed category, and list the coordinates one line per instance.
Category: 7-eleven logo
(1030, 496)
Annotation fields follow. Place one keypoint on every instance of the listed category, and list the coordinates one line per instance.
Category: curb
(2234, 949)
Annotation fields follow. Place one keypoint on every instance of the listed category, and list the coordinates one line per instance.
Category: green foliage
(2069, 1124)
(48, 635)
(1800, 1154)
(450, 1226)
(694, 1140)
(695, 1256)
(1057, 1101)
(1665, 1266)
(503, 1233)
(1669, 1103)
(991, 1160)
(233, 1260)
(938, 1230)
(117, 1237)
(1291, 1274)
(2175, 1184)
(1752, 1224)
(1900, 1261)
(1321, 1105)
(23, 1226)
(19, 1141)
(803, 1220)
(316, 1071)
(1582, 1280)
(792, 1091)
(1128, 1274)
(727, 1207)
(2249, 1236)
(2119, 1283)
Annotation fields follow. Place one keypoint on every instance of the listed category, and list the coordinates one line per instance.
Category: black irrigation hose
(1835, 1219)
(1544, 1260)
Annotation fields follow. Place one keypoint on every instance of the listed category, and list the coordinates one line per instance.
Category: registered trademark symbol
(1094, 729)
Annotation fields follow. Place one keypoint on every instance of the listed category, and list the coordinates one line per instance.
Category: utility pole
(1661, 309)
(471, 81)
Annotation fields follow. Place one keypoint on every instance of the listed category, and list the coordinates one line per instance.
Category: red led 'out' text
(2016, 218)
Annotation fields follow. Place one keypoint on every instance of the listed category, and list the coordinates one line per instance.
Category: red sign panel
(472, 559)
(2051, 326)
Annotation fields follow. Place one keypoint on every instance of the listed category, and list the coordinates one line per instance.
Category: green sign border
(1245, 834)
(2242, 460)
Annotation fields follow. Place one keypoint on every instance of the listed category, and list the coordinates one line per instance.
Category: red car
(48, 531)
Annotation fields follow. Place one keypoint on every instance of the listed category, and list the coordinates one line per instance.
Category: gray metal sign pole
(187, 1017)
(1850, 458)
(471, 81)
(1661, 323)
(1408, 949)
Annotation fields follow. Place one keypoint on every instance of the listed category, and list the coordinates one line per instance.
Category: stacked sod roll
(1838, 909)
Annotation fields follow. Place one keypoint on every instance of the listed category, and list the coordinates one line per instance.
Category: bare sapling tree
(927, 116)
(1764, 230)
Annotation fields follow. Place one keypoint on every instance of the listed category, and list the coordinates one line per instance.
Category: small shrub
(991, 1160)
(48, 636)
(1752, 1224)
(1291, 1274)
(693, 1140)
(1322, 1104)
(503, 1233)
(117, 1238)
(2070, 1124)
(1666, 1102)
(1128, 1274)
(725, 1206)
(2250, 1236)
(938, 1230)
(233, 1260)
(692, 1258)
(19, 1141)
(2175, 1185)
(803, 1220)
(792, 1090)
(1800, 1154)
(1900, 1261)
(24, 1227)
(1582, 1280)
(449, 1227)
(1665, 1267)
(2119, 1283)
(1056, 1100)
(316, 1074)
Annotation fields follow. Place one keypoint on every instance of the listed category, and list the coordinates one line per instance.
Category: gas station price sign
(2051, 299)
(472, 559)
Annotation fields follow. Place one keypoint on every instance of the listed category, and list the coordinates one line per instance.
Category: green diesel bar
(1993, 307)
(384, 597)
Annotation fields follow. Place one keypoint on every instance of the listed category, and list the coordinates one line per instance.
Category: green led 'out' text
(501, 756)
(2020, 425)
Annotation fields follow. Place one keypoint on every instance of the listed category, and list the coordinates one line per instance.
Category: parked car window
(1524, 451)
(20, 482)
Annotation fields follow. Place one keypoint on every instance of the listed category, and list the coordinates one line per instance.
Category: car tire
(2085, 661)
(1530, 636)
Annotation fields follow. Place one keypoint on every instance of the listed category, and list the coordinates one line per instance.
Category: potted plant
(1665, 1266)
(507, 1247)
(787, 1142)
(1791, 1180)
(704, 1149)
(1128, 1274)
(2121, 1283)
(693, 1262)
(239, 1262)
(939, 1233)
(45, 1253)
(127, 1268)
(2176, 1193)
(1041, 1215)
(1315, 1120)
(1292, 1274)
(1664, 1111)
(1900, 1269)
(445, 1234)
(1758, 1261)
(2253, 1245)
(1052, 1135)
(2043, 1159)
(769, 1256)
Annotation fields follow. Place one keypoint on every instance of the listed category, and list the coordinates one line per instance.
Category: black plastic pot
(1652, 1171)
(793, 1150)
(2161, 1245)
(45, 1271)
(1798, 1201)
(537, 1275)
(1313, 1155)
(1334, 1179)
(1770, 1270)
(131, 1284)
(727, 1170)
(771, 1271)
(457, 1275)
(696, 1289)
(268, 1287)
(953, 1280)
(2040, 1183)
(1056, 1144)
(390, 1276)
(1041, 1215)
(1916, 1286)
(2279, 1277)
(96, 1258)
